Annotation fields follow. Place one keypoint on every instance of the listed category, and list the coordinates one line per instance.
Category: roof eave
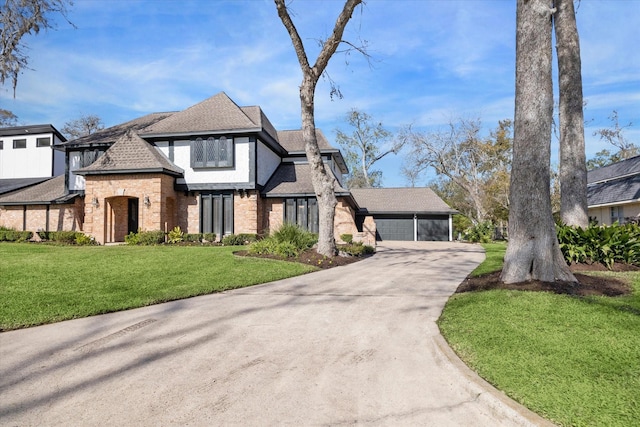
(198, 133)
(129, 171)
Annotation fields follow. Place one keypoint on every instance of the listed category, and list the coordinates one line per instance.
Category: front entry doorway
(132, 209)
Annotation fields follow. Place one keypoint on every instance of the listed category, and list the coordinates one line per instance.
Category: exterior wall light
(95, 202)
(147, 202)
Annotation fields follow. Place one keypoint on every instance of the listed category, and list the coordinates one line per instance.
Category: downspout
(450, 228)
(415, 227)
(24, 217)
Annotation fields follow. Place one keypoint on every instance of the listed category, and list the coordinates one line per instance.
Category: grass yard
(574, 360)
(45, 283)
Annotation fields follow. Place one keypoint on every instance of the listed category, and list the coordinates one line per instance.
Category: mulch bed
(311, 257)
(587, 285)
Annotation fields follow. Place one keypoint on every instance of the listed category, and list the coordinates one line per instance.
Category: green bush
(357, 249)
(600, 244)
(479, 233)
(209, 237)
(195, 237)
(66, 237)
(288, 241)
(84, 240)
(10, 235)
(347, 238)
(175, 235)
(239, 239)
(145, 238)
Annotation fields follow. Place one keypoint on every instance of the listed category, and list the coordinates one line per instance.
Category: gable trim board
(141, 164)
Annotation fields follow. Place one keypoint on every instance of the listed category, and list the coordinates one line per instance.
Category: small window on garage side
(19, 143)
(43, 142)
(1, 145)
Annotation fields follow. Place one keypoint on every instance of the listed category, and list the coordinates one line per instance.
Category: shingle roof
(400, 200)
(8, 185)
(130, 153)
(111, 134)
(257, 116)
(218, 113)
(293, 179)
(292, 141)
(47, 192)
(626, 167)
(614, 191)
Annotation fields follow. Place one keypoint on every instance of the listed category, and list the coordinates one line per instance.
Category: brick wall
(65, 217)
(246, 212)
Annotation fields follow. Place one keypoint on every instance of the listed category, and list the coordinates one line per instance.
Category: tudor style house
(613, 192)
(214, 167)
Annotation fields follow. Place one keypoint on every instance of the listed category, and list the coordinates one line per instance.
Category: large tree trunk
(533, 252)
(573, 162)
(323, 181)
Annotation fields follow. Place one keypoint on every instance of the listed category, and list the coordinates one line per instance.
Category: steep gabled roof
(292, 141)
(257, 116)
(48, 192)
(111, 134)
(617, 170)
(294, 179)
(215, 114)
(128, 154)
(400, 200)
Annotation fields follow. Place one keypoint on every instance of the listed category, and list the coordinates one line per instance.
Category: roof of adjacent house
(131, 154)
(111, 134)
(8, 185)
(614, 191)
(47, 192)
(616, 170)
(294, 179)
(30, 130)
(410, 200)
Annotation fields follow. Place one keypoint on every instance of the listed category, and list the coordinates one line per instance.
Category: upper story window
(43, 142)
(19, 143)
(212, 152)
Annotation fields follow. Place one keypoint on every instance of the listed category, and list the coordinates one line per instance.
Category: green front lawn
(573, 360)
(43, 283)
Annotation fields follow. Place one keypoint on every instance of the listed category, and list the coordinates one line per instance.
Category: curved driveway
(350, 345)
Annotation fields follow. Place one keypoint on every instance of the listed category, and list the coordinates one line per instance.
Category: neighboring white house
(31, 152)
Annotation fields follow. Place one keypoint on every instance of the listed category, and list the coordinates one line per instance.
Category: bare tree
(7, 118)
(614, 135)
(18, 18)
(83, 126)
(363, 149)
(533, 252)
(323, 180)
(573, 164)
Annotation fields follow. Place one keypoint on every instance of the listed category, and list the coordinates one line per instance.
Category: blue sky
(432, 61)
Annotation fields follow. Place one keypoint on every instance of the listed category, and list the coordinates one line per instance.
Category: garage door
(394, 229)
(434, 228)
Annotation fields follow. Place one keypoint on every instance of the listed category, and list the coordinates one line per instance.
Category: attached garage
(405, 214)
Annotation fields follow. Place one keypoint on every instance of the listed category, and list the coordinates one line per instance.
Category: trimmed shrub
(347, 238)
(196, 237)
(209, 237)
(239, 239)
(288, 241)
(357, 249)
(10, 235)
(145, 238)
(84, 240)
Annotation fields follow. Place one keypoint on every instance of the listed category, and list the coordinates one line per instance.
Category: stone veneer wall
(63, 217)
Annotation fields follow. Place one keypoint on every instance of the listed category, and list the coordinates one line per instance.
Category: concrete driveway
(345, 346)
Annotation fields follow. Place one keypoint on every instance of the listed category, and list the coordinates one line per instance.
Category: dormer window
(212, 152)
